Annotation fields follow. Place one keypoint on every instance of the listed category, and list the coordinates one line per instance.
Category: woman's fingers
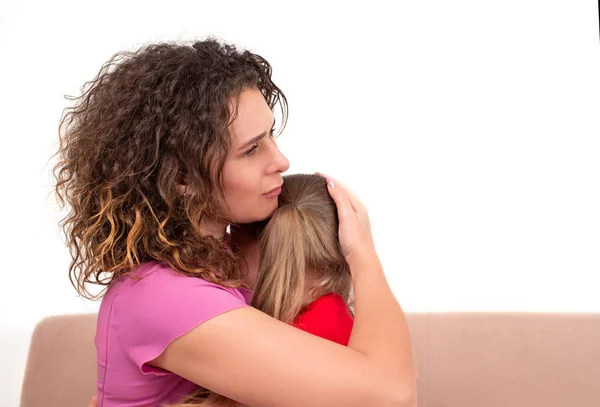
(351, 197)
(354, 227)
(339, 195)
(355, 202)
(93, 402)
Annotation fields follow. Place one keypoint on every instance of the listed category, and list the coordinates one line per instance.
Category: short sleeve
(153, 311)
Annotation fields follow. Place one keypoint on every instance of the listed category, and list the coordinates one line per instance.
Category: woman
(162, 151)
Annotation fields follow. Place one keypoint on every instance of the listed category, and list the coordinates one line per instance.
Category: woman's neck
(245, 239)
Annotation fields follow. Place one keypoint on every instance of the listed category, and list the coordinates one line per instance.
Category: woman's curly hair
(151, 120)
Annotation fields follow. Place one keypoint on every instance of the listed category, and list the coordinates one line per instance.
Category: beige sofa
(465, 360)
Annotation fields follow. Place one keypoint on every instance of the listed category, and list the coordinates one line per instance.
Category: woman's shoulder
(148, 309)
(159, 274)
(156, 282)
(160, 302)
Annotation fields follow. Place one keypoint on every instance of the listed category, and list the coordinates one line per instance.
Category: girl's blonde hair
(299, 254)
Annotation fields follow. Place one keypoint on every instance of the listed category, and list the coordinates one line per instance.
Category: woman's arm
(374, 333)
(257, 360)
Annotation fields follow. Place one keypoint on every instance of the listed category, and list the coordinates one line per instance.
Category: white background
(469, 128)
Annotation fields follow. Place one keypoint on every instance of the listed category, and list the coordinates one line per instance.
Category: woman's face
(255, 164)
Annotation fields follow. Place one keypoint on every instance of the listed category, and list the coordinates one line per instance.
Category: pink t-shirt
(138, 318)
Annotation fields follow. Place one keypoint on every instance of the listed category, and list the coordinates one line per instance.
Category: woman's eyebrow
(257, 138)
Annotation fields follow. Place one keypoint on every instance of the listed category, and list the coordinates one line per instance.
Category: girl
(303, 278)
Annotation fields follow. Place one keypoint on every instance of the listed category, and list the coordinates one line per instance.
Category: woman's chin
(268, 212)
(263, 215)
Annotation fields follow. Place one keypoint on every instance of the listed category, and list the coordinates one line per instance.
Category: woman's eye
(252, 150)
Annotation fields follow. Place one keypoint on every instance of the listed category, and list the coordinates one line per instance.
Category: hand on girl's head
(355, 228)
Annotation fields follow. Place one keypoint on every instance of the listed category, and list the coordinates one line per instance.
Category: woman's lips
(273, 193)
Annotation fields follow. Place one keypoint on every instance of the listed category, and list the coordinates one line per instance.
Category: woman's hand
(93, 402)
(355, 235)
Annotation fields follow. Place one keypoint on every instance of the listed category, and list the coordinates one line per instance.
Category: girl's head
(164, 148)
(300, 255)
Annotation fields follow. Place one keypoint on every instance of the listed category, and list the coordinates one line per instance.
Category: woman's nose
(280, 162)
(283, 164)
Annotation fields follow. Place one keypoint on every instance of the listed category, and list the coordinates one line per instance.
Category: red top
(327, 317)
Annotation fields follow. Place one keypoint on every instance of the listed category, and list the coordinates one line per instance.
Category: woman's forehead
(254, 117)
